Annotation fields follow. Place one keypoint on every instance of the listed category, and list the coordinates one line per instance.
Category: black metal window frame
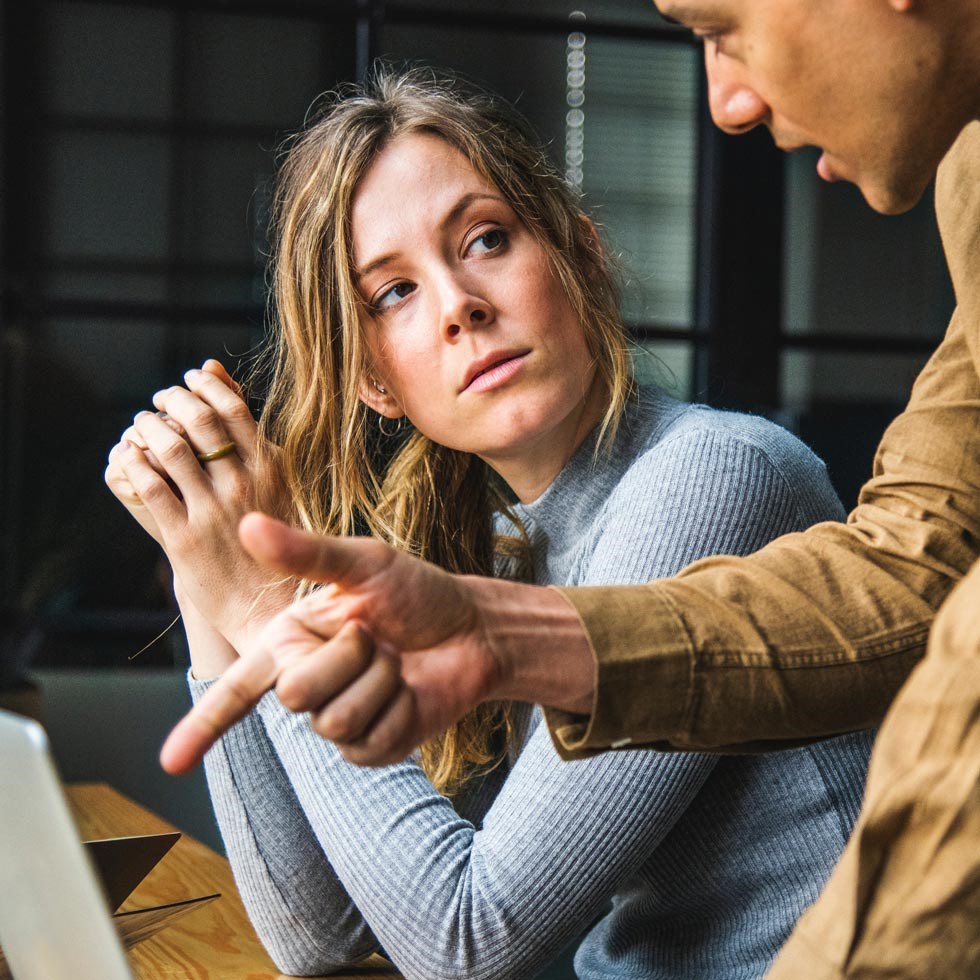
(736, 335)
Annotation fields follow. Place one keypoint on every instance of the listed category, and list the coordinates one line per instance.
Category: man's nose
(735, 106)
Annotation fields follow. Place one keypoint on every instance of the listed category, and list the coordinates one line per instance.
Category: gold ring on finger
(226, 450)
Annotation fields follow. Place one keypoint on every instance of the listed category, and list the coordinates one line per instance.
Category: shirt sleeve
(814, 634)
(450, 899)
(903, 900)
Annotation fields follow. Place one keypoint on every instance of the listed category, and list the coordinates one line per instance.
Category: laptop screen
(54, 919)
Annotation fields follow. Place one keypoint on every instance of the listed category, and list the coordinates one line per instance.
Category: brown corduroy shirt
(814, 634)
(817, 632)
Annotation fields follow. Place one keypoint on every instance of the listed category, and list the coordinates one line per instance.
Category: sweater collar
(587, 479)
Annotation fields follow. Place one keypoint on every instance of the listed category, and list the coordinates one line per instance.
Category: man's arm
(439, 644)
(813, 634)
(810, 636)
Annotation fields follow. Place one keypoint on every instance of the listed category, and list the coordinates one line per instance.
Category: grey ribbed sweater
(708, 862)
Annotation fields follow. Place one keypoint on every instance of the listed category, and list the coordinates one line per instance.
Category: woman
(433, 273)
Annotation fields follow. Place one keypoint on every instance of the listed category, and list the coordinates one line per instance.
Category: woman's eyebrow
(452, 215)
(374, 264)
(464, 202)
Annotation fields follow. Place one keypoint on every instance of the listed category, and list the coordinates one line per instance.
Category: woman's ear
(594, 239)
(375, 395)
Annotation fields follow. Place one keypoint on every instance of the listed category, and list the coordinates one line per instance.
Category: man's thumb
(345, 561)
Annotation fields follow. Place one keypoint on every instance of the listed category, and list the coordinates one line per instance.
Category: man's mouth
(824, 169)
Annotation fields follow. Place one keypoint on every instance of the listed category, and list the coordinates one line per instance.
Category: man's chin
(895, 197)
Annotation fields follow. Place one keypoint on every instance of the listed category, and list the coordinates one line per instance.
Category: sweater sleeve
(447, 898)
(814, 634)
(301, 912)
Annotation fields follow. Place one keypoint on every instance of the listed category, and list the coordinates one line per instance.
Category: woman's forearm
(211, 654)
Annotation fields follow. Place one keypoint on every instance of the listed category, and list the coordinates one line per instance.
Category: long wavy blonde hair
(426, 499)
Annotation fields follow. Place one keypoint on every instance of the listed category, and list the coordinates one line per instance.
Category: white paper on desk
(139, 924)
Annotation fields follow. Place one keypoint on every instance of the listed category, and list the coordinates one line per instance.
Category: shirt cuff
(644, 672)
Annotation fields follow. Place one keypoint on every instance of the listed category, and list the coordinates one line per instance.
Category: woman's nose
(464, 310)
(735, 105)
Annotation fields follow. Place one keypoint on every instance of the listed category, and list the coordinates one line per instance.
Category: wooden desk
(214, 942)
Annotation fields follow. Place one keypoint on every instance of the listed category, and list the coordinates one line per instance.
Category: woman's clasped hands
(188, 473)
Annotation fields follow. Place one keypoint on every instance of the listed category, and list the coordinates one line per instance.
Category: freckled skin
(454, 293)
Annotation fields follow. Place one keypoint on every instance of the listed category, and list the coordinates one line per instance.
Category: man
(813, 635)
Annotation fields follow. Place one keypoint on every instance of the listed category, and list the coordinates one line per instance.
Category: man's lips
(825, 170)
(495, 367)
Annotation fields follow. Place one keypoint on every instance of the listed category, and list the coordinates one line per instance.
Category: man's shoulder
(958, 190)
(964, 150)
(959, 173)
(958, 213)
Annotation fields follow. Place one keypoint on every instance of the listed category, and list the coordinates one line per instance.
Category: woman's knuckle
(239, 413)
(174, 451)
(203, 417)
(147, 487)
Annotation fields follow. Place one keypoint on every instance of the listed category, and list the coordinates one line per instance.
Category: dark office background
(138, 152)
(138, 149)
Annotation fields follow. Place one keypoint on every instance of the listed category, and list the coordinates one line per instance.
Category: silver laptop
(54, 919)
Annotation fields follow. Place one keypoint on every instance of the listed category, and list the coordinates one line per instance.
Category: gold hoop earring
(388, 433)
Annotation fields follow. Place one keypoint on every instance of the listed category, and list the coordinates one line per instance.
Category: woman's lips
(497, 373)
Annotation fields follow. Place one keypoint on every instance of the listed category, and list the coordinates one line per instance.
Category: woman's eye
(489, 241)
(393, 296)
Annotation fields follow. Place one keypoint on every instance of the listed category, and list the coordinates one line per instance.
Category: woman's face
(468, 328)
